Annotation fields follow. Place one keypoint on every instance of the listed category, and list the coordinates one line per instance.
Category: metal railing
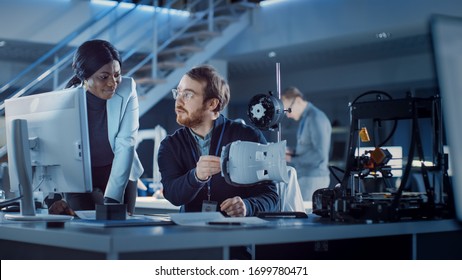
(199, 10)
(67, 59)
(198, 16)
(59, 46)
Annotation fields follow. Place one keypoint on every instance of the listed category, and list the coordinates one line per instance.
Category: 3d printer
(347, 202)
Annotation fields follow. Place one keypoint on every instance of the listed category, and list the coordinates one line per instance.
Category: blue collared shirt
(203, 143)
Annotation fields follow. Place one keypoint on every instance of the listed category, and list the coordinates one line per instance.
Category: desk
(152, 205)
(310, 238)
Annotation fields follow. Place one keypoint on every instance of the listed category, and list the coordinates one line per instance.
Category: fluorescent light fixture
(418, 163)
(383, 35)
(173, 11)
(146, 8)
(104, 3)
(266, 3)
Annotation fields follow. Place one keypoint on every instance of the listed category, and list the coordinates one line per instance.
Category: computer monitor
(447, 43)
(48, 146)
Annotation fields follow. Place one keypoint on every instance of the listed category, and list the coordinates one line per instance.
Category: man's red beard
(192, 119)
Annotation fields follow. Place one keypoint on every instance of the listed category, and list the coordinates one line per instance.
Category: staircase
(175, 48)
(201, 40)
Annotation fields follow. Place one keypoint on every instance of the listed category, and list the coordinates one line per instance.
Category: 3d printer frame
(346, 204)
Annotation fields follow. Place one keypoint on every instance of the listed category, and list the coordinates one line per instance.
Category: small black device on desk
(15, 206)
(278, 215)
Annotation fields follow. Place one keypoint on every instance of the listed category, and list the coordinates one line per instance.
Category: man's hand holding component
(207, 166)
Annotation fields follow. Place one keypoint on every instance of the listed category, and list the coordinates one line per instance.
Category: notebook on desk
(86, 218)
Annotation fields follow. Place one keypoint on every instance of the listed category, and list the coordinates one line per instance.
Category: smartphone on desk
(12, 208)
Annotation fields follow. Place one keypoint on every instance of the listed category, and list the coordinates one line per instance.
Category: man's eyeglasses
(289, 109)
(185, 94)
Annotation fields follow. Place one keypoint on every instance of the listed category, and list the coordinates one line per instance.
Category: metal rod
(278, 86)
(278, 79)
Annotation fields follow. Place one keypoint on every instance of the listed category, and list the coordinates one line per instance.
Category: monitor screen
(447, 43)
(58, 142)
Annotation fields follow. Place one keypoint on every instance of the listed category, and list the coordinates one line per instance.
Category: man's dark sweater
(178, 155)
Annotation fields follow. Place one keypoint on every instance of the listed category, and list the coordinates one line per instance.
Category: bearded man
(189, 159)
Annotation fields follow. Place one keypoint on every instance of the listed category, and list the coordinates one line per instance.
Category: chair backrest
(157, 135)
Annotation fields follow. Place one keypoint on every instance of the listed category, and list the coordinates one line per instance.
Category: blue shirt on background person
(311, 155)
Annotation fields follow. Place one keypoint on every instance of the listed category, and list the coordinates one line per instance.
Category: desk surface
(116, 241)
(149, 204)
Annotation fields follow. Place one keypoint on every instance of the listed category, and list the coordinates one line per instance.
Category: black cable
(9, 202)
(331, 169)
(371, 92)
(407, 169)
(395, 124)
(393, 130)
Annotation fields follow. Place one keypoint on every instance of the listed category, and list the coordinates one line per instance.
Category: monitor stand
(20, 158)
(38, 217)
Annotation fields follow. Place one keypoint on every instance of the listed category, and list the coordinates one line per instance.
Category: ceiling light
(2, 43)
(383, 35)
(270, 2)
(272, 54)
(145, 8)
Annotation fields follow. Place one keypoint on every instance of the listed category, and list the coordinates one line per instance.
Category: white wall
(282, 23)
(381, 73)
(292, 22)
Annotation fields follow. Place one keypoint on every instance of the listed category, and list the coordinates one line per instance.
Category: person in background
(311, 155)
(112, 106)
(189, 159)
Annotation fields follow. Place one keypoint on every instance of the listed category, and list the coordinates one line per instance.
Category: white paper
(91, 215)
(203, 219)
(86, 214)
